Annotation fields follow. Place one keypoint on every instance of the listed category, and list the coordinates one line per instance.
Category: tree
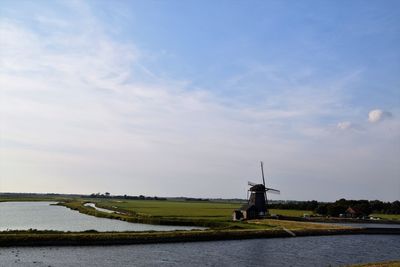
(336, 209)
(322, 209)
(364, 207)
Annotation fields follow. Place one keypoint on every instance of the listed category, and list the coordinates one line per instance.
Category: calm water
(299, 251)
(43, 216)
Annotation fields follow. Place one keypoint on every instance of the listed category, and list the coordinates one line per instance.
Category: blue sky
(176, 98)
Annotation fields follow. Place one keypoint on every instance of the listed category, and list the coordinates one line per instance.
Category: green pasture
(292, 213)
(187, 209)
(168, 209)
(387, 216)
(379, 264)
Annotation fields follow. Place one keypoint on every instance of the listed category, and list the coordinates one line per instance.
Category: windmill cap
(257, 187)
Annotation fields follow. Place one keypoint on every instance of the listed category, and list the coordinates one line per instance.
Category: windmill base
(248, 214)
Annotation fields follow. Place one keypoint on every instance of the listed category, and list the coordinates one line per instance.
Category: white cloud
(377, 115)
(344, 125)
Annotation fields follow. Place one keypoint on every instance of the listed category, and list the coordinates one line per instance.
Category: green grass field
(293, 225)
(387, 216)
(175, 209)
(292, 213)
(379, 264)
(188, 209)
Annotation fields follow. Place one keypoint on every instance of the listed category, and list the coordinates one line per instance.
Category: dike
(43, 238)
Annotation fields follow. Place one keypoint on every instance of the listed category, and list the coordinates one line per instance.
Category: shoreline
(46, 238)
(336, 220)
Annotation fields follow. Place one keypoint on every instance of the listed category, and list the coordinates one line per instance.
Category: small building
(237, 215)
(352, 212)
(246, 212)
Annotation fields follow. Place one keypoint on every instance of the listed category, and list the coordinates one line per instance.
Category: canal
(299, 251)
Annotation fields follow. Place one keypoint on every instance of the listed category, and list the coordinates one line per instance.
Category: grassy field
(292, 213)
(187, 209)
(293, 225)
(181, 209)
(387, 216)
(198, 213)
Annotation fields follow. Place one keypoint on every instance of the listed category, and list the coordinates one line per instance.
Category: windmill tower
(256, 206)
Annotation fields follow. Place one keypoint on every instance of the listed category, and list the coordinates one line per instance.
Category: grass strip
(395, 263)
(52, 238)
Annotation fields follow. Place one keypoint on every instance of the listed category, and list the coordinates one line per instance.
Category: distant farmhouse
(353, 212)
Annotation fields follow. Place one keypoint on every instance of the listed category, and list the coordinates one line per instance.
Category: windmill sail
(262, 172)
(273, 191)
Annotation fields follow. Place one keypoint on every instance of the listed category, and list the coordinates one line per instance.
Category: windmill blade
(273, 191)
(251, 183)
(262, 172)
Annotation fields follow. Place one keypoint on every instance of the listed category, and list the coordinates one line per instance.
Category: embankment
(42, 238)
(335, 220)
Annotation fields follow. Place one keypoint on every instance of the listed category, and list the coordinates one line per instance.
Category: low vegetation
(155, 212)
(386, 216)
(379, 264)
(364, 207)
(293, 225)
(49, 238)
(291, 213)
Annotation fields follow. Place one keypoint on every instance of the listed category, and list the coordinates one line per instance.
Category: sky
(185, 98)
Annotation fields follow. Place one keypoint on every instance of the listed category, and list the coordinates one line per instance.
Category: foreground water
(300, 251)
(44, 216)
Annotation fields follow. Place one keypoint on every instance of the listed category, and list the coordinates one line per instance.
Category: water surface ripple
(299, 251)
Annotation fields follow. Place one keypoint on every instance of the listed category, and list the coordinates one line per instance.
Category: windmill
(256, 206)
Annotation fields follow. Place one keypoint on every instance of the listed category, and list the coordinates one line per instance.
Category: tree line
(140, 197)
(340, 206)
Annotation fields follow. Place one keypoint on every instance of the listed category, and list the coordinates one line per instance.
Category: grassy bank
(50, 238)
(387, 216)
(379, 264)
(292, 213)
